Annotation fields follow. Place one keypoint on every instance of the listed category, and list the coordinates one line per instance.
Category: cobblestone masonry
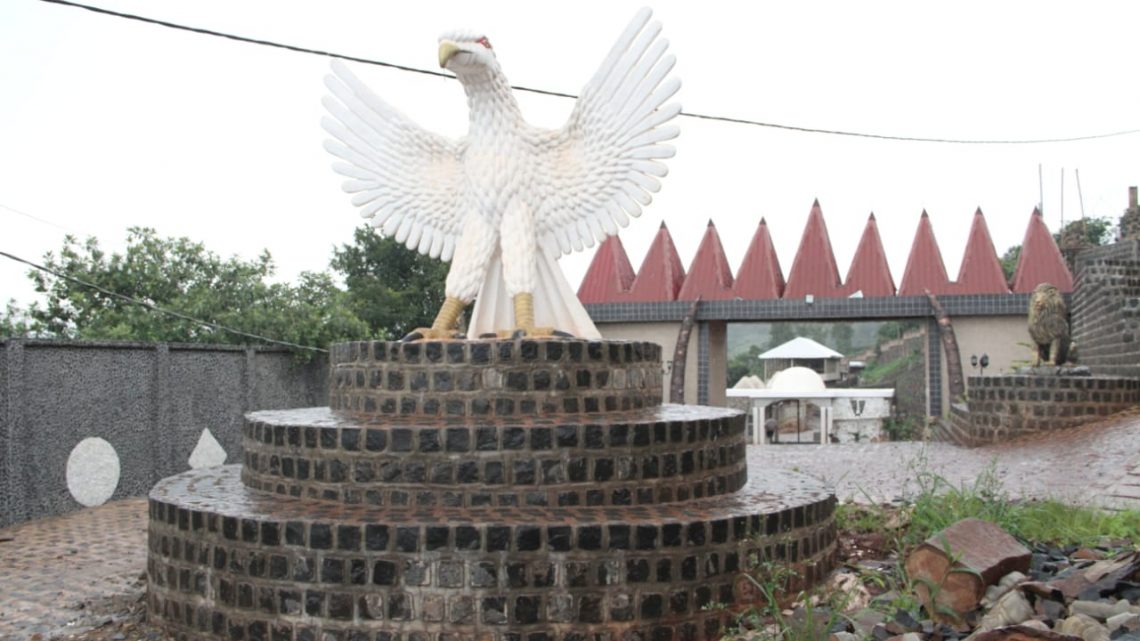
(1002, 408)
(571, 525)
(1106, 316)
(655, 455)
(495, 377)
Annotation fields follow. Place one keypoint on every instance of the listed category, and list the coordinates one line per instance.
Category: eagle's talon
(428, 333)
(534, 332)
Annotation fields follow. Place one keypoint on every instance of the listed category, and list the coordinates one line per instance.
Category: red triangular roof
(661, 274)
(760, 276)
(610, 274)
(980, 272)
(869, 272)
(924, 267)
(1041, 260)
(813, 270)
(710, 277)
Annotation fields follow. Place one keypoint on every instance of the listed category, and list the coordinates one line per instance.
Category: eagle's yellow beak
(447, 49)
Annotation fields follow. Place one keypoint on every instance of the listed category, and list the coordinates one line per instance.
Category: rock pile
(1066, 594)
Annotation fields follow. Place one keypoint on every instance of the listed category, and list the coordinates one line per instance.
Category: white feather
(391, 225)
(651, 167)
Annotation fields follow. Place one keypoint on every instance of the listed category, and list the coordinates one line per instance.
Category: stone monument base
(227, 562)
(501, 490)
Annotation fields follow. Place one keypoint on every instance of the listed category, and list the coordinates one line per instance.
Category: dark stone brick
(468, 472)
(493, 473)
(348, 537)
(484, 575)
(429, 440)
(646, 537)
(517, 381)
(384, 573)
(636, 570)
(401, 440)
(498, 538)
(514, 438)
(558, 538)
(619, 537)
(480, 353)
(332, 570)
(524, 472)
(526, 609)
(407, 539)
(417, 573)
(517, 575)
(399, 606)
(590, 609)
(540, 438)
(320, 536)
(494, 610)
(436, 537)
(270, 533)
(458, 439)
(528, 538)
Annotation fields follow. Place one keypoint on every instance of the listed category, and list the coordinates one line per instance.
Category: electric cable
(559, 94)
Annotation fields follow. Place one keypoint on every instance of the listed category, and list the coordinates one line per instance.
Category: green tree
(1097, 231)
(14, 322)
(744, 364)
(817, 332)
(390, 287)
(182, 276)
(781, 333)
(841, 336)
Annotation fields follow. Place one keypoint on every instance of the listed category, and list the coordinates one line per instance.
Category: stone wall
(1106, 311)
(150, 402)
(1002, 408)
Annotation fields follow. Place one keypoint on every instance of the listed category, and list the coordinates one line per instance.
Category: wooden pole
(681, 354)
(957, 383)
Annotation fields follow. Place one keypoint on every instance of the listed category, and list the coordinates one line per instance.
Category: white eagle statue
(507, 200)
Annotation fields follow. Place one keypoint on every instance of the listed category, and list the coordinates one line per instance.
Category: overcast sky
(107, 123)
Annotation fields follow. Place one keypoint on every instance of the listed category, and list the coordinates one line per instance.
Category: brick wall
(1106, 311)
(1007, 407)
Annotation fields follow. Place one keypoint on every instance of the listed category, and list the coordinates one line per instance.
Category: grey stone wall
(149, 401)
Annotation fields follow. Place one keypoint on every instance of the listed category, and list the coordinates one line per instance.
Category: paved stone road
(1096, 464)
(67, 573)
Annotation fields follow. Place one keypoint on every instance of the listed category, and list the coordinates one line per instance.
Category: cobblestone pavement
(70, 572)
(1095, 464)
(61, 575)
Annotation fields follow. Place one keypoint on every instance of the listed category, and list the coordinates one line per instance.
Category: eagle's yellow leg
(524, 316)
(444, 324)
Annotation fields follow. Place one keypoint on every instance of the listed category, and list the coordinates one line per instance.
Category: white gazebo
(804, 352)
(848, 415)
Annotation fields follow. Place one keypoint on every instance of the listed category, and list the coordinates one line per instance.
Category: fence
(150, 401)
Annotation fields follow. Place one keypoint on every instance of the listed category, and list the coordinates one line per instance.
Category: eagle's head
(466, 51)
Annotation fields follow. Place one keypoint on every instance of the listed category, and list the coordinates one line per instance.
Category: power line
(156, 308)
(559, 94)
(36, 218)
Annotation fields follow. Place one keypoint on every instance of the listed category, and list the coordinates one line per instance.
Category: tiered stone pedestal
(503, 490)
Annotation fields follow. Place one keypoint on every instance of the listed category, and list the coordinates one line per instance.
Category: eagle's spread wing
(406, 179)
(602, 165)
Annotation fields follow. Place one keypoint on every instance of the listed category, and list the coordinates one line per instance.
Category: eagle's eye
(484, 41)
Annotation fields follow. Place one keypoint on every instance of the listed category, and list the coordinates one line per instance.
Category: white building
(804, 352)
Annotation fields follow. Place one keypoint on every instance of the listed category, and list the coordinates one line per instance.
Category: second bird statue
(504, 202)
